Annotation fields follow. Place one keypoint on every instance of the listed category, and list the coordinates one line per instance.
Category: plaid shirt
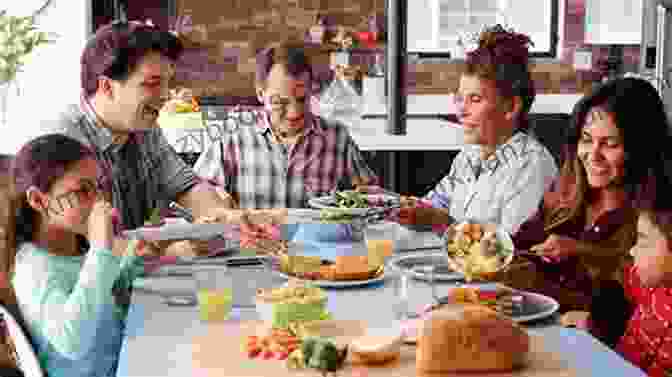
(146, 171)
(263, 173)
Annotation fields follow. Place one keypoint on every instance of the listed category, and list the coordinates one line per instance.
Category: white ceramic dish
(538, 307)
(328, 202)
(503, 238)
(417, 264)
(178, 231)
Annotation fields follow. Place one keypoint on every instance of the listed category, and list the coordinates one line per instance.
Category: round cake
(470, 338)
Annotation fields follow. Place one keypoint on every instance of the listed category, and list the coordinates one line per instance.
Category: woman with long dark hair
(587, 223)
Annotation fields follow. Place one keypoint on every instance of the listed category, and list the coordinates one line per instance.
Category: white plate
(538, 307)
(541, 307)
(178, 231)
(416, 263)
(328, 202)
(333, 284)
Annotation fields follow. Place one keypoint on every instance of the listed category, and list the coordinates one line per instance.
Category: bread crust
(470, 338)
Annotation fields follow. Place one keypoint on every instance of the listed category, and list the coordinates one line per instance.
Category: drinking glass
(402, 286)
(381, 241)
(214, 292)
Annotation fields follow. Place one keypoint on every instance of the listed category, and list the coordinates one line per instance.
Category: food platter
(476, 249)
(322, 283)
(329, 202)
(417, 265)
(178, 230)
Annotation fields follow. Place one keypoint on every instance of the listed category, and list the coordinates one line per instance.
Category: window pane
(484, 5)
(449, 26)
(479, 20)
(452, 6)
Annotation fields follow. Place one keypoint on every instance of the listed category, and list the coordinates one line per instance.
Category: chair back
(26, 358)
(551, 131)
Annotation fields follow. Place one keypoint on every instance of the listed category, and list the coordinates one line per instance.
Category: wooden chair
(9, 365)
(27, 363)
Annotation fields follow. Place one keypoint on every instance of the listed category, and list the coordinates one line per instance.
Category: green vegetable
(351, 199)
(335, 216)
(322, 354)
(155, 217)
(307, 347)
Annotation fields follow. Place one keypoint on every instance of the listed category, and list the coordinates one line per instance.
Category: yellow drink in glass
(215, 304)
(378, 251)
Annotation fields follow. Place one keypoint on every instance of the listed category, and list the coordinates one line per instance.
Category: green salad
(351, 199)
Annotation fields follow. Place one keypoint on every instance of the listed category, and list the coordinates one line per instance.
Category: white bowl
(502, 236)
(265, 310)
(378, 345)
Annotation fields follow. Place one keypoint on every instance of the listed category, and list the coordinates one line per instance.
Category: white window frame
(439, 42)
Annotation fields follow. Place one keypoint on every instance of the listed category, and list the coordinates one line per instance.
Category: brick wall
(236, 30)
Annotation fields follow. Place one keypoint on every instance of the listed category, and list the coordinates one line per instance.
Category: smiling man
(125, 71)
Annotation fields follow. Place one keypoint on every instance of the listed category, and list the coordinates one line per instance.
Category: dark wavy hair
(640, 116)
(117, 48)
(502, 56)
(39, 163)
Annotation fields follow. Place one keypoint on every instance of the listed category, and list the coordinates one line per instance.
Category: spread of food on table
(299, 335)
(475, 250)
(343, 268)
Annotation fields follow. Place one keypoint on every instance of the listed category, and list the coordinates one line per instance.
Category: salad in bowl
(477, 250)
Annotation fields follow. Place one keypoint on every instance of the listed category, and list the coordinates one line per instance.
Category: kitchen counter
(422, 134)
(443, 104)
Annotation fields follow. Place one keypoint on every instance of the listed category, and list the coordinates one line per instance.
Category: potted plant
(19, 36)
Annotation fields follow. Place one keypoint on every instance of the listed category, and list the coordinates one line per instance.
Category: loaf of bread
(470, 338)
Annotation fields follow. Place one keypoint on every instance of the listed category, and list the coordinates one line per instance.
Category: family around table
(600, 226)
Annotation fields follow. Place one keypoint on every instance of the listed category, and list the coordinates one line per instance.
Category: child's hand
(101, 224)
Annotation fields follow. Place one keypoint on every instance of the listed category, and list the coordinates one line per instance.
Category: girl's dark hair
(502, 56)
(39, 163)
(640, 116)
(653, 197)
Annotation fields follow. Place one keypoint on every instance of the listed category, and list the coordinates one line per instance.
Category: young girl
(646, 339)
(71, 276)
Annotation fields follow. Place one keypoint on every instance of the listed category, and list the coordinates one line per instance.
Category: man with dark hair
(290, 153)
(126, 68)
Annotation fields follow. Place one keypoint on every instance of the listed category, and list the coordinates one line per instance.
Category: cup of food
(477, 250)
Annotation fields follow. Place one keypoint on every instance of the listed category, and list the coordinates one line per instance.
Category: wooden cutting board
(220, 353)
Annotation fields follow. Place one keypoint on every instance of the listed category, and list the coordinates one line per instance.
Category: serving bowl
(478, 250)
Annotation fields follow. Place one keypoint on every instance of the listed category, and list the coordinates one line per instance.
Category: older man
(290, 153)
(125, 70)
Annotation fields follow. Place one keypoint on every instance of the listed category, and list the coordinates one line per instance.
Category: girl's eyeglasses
(73, 198)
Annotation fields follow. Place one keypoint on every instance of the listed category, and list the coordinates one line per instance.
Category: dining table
(160, 338)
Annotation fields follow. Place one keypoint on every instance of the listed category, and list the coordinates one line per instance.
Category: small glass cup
(402, 286)
(381, 241)
(214, 292)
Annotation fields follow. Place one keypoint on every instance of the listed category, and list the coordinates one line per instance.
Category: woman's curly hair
(502, 56)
